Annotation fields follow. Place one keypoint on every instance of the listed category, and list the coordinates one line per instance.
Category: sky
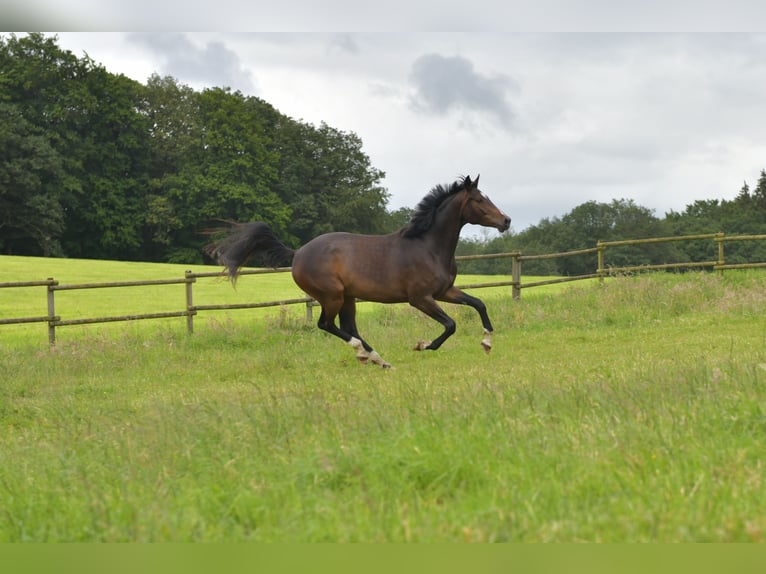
(550, 119)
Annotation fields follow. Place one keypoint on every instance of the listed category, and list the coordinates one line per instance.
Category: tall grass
(632, 411)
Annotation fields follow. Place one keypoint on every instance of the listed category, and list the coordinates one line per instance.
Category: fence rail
(52, 285)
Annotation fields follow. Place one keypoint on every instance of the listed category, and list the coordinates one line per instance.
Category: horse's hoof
(378, 360)
(486, 342)
(363, 359)
(421, 345)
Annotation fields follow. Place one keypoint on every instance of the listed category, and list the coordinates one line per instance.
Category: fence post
(516, 276)
(601, 247)
(189, 302)
(719, 237)
(51, 313)
(310, 311)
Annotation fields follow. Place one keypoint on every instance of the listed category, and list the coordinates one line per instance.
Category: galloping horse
(415, 264)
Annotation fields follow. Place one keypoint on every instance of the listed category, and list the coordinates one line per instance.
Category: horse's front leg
(455, 295)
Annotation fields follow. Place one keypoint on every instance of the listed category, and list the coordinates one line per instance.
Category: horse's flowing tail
(246, 241)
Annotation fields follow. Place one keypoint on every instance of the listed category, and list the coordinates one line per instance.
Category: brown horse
(415, 264)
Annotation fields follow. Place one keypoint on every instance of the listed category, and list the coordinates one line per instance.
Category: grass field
(632, 411)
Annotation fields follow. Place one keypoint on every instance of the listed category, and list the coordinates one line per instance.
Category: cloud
(447, 83)
(344, 43)
(210, 65)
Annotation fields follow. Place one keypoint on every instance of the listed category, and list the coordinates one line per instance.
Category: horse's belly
(375, 289)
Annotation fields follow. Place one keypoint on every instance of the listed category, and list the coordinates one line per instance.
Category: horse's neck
(445, 231)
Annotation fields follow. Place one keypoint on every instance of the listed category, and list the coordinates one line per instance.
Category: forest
(97, 165)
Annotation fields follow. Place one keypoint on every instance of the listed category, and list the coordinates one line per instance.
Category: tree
(34, 174)
(231, 174)
(620, 219)
(136, 172)
(358, 202)
(31, 214)
(175, 135)
(743, 197)
(398, 218)
(759, 195)
(327, 180)
(111, 149)
(239, 165)
(92, 120)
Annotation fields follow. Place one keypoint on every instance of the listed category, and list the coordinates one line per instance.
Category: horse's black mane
(425, 213)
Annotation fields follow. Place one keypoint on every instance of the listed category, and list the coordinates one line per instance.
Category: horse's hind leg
(364, 352)
(347, 318)
(348, 331)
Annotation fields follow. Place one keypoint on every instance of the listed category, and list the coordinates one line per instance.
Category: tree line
(591, 221)
(97, 165)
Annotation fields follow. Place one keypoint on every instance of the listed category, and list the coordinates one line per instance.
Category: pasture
(629, 411)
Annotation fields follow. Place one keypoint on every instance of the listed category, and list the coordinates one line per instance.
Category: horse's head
(479, 209)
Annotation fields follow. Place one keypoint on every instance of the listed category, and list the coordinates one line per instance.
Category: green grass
(633, 411)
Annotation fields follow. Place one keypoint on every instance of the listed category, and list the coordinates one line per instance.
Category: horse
(415, 264)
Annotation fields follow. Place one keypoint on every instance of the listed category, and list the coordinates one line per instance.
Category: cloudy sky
(550, 120)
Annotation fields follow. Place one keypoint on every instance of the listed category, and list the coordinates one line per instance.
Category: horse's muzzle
(505, 225)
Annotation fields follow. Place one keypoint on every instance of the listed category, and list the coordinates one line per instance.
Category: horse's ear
(467, 183)
(476, 181)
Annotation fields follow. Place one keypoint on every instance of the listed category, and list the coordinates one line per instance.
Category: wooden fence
(52, 285)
